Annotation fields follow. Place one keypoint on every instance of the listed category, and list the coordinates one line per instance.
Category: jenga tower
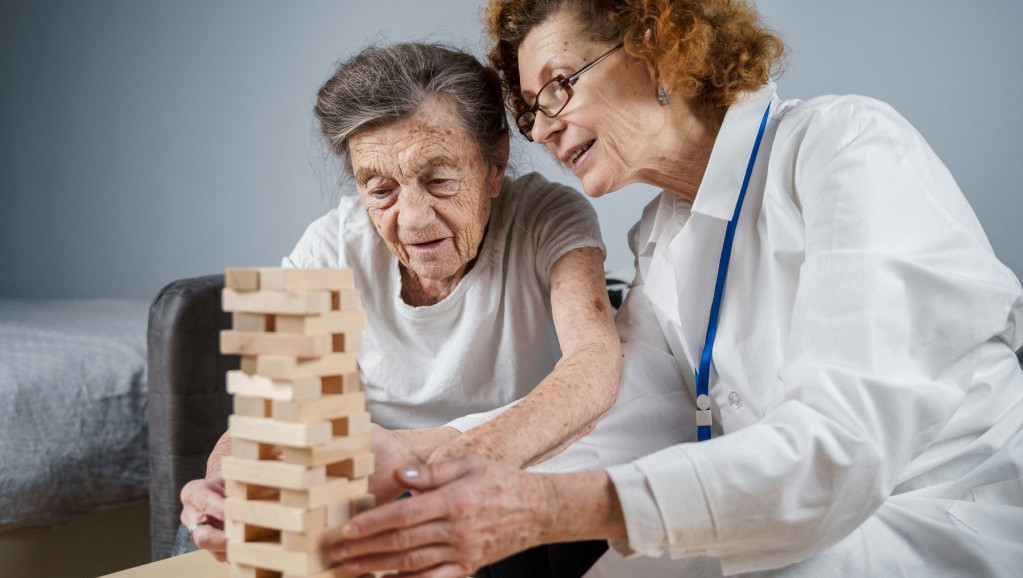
(300, 452)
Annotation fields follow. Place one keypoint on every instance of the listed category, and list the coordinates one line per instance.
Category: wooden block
(252, 406)
(245, 491)
(336, 450)
(243, 532)
(241, 571)
(345, 300)
(267, 514)
(282, 279)
(242, 321)
(273, 473)
(347, 321)
(336, 572)
(240, 383)
(336, 518)
(358, 466)
(315, 540)
(347, 383)
(285, 367)
(275, 557)
(271, 431)
(242, 278)
(352, 425)
(335, 491)
(250, 450)
(278, 302)
(350, 342)
(324, 408)
(255, 343)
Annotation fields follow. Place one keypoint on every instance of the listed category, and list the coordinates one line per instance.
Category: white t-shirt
(492, 340)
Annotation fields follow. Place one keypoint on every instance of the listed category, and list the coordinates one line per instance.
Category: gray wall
(145, 141)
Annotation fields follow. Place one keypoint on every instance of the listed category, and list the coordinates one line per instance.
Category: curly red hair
(710, 50)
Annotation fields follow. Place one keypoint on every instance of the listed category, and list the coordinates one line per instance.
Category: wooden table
(192, 565)
(198, 564)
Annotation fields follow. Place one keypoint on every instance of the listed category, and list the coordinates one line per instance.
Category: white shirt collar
(719, 189)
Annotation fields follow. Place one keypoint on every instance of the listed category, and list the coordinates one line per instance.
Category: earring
(662, 97)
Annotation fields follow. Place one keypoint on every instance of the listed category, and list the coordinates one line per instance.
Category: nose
(544, 127)
(415, 209)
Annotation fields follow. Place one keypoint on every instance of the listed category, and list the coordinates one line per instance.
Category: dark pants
(568, 560)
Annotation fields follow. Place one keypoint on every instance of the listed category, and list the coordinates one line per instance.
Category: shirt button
(735, 400)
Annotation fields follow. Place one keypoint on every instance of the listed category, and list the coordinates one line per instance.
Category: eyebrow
(548, 68)
(363, 175)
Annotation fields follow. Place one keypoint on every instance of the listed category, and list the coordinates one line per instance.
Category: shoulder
(320, 243)
(840, 119)
(532, 196)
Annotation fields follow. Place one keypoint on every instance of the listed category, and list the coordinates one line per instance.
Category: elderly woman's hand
(203, 515)
(471, 512)
(390, 452)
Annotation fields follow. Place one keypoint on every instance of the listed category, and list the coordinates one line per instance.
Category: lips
(574, 155)
(425, 245)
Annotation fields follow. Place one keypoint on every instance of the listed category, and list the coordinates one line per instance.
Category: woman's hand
(471, 512)
(203, 502)
(390, 452)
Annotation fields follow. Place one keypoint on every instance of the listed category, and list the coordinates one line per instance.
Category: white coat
(867, 402)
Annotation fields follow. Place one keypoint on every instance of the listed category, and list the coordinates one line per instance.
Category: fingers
(431, 561)
(392, 541)
(212, 538)
(202, 498)
(430, 476)
(400, 514)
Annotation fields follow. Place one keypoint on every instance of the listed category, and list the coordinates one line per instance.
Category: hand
(471, 512)
(203, 502)
(390, 452)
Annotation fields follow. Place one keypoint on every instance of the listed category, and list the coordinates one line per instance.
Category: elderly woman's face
(426, 188)
(604, 132)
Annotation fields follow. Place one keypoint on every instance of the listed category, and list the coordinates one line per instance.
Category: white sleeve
(318, 246)
(557, 218)
(897, 292)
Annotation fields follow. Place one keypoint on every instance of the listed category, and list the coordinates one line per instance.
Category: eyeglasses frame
(566, 84)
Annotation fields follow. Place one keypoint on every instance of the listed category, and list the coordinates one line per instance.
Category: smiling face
(427, 189)
(606, 131)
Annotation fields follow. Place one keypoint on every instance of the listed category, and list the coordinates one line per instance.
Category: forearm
(561, 409)
(220, 451)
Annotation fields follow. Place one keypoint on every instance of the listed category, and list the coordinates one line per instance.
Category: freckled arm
(584, 384)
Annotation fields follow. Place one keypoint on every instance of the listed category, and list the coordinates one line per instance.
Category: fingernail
(339, 553)
(350, 530)
(411, 473)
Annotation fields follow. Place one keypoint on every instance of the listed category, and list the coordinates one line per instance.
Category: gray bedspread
(73, 424)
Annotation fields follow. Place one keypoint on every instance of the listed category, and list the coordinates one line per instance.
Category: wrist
(582, 506)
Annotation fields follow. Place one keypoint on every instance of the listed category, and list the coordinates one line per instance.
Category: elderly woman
(479, 289)
(839, 321)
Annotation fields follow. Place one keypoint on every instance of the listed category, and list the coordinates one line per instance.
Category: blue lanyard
(703, 415)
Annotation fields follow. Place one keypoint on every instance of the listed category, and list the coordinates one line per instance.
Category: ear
(494, 180)
(496, 173)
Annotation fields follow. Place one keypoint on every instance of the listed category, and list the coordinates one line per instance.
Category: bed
(73, 409)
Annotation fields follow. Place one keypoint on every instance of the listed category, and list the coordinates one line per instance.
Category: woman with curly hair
(842, 328)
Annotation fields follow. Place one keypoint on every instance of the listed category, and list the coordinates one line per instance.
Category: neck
(683, 151)
(420, 292)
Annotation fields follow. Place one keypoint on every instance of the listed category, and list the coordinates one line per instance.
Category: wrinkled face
(426, 188)
(606, 128)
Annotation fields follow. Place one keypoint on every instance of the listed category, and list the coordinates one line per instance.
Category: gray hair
(381, 85)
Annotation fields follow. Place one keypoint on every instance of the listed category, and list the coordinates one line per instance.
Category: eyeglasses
(554, 96)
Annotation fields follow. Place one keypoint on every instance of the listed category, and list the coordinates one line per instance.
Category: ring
(194, 527)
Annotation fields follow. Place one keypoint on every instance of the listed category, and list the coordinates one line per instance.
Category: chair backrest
(188, 400)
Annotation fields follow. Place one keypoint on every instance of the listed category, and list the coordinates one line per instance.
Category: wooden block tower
(300, 453)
